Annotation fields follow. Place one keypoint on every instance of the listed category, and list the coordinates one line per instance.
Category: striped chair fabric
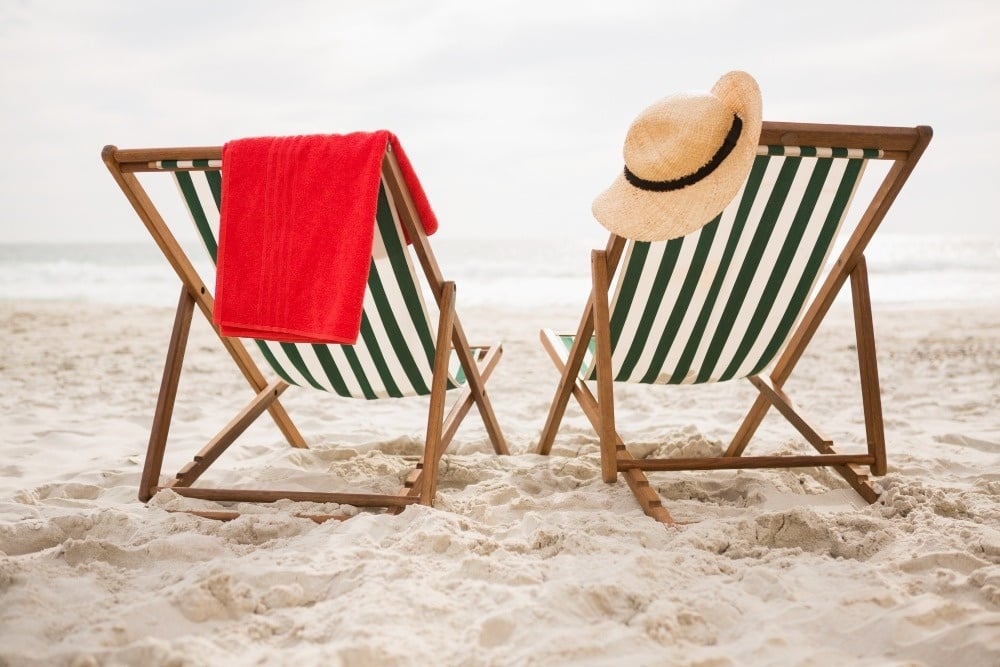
(394, 354)
(722, 302)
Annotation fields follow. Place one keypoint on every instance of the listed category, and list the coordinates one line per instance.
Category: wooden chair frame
(420, 486)
(903, 146)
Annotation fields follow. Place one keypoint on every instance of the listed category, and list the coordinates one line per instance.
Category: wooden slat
(227, 436)
(780, 400)
(741, 462)
(270, 496)
(902, 139)
(487, 360)
(143, 156)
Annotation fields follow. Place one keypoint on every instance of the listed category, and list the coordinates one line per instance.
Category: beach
(534, 129)
(524, 559)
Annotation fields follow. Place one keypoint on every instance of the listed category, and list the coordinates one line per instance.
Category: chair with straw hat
(721, 227)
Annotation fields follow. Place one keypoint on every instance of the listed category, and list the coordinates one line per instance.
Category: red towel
(295, 238)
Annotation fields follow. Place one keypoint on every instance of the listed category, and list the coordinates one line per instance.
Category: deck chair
(401, 350)
(736, 299)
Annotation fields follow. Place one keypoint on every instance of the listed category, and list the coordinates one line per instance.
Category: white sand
(525, 559)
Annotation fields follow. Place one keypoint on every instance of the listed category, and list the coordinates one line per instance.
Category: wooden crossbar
(741, 462)
(270, 496)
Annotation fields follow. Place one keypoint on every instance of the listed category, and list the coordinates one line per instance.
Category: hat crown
(676, 136)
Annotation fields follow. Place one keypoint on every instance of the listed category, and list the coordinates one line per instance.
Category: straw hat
(686, 157)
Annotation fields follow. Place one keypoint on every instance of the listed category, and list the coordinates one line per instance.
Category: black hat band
(728, 144)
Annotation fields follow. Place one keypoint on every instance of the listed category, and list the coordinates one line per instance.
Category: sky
(513, 112)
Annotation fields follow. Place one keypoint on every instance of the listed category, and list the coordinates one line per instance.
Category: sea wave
(911, 270)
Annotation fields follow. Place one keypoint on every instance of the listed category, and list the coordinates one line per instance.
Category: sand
(524, 560)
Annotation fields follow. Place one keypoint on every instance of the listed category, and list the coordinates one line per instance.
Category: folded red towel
(295, 238)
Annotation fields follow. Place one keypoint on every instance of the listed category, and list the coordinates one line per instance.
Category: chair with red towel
(324, 264)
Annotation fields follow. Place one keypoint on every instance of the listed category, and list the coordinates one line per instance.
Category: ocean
(906, 270)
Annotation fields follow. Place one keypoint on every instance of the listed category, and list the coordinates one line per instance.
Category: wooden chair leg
(770, 394)
(410, 220)
(644, 493)
(487, 361)
(605, 384)
(435, 417)
(612, 254)
(569, 372)
(160, 428)
(193, 283)
(755, 415)
(636, 479)
(871, 398)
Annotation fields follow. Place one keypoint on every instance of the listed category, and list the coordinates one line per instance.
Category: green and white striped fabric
(722, 302)
(394, 354)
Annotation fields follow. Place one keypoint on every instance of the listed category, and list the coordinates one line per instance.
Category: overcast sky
(513, 112)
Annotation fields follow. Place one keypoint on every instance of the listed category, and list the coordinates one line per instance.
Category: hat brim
(644, 215)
